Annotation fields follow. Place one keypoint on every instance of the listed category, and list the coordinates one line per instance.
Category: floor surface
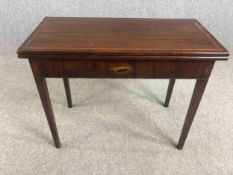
(115, 126)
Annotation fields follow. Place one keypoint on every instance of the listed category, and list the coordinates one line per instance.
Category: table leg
(169, 91)
(194, 103)
(44, 96)
(68, 94)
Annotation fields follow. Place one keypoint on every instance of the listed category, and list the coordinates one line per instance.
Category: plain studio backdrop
(115, 126)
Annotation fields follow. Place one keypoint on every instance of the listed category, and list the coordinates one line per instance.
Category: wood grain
(65, 47)
(58, 68)
(57, 36)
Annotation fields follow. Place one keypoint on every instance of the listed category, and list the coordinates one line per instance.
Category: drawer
(121, 69)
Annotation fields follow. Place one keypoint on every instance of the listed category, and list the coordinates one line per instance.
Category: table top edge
(221, 54)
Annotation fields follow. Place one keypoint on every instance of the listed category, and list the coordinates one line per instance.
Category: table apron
(57, 68)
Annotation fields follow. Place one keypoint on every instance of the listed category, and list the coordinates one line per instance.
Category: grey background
(116, 126)
(19, 18)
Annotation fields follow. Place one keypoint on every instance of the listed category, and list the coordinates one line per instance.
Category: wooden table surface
(112, 36)
(65, 47)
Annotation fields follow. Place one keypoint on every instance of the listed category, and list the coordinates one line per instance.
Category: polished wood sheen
(72, 47)
(44, 96)
(169, 92)
(109, 36)
(195, 100)
(68, 94)
(55, 68)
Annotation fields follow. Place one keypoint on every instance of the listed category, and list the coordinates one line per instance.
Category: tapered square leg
(67, 90)
(44, 96)
(169, 91)
(194, 103)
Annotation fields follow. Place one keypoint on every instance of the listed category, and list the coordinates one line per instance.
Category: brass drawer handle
(122, 69)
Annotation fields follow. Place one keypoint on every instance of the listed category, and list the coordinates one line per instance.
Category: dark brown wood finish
(45, 99)
(58, 68)
(169, 92)
(64, 47)
(110, 36)
(67, 90)
(194, 103)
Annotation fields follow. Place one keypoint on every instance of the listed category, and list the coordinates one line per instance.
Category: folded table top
(156, 38)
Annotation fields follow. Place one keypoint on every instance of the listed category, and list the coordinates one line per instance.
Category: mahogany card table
(73, 47)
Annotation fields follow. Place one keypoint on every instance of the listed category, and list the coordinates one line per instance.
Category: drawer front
(121, 69)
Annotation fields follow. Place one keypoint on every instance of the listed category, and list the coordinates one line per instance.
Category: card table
(85, 47)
